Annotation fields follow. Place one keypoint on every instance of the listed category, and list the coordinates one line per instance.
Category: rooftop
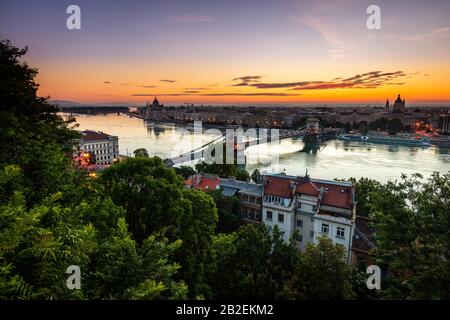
(90, 135)
(232, 186)
(203, 182)
(335, 193)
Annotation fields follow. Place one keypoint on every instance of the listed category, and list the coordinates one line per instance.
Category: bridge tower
(312, 125)
(312, 134)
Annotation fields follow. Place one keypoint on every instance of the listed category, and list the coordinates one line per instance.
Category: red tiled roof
(308, 188)
(93, 135)
(334, 195)
(278, 186)
(203, 183)
(337, 196)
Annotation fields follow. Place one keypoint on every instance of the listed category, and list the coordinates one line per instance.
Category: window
(311, 234)
(300, 223)
(340, 232)
(325, 228)
(280, 217)
(256, 214)
(299, 237)
(269, 215)
(299, 205)
(314, 208)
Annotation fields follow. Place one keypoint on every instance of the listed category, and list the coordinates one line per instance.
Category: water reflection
(328, 160)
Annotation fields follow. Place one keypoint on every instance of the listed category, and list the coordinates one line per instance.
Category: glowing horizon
(231, 52)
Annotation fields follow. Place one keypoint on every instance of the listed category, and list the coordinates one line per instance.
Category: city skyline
(235, 51)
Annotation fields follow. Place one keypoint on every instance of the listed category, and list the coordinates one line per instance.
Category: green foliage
(156, 201)
(412, 234)
(196, 231)
(321, 273)
(150, 192)
(141, 152)
(32, 135)
(256, 176)
(221, 170)
(230, 218)
(52, 216)
(185, 171)
(253, 263)
(365, 190)
(243, 175)
(136, 233)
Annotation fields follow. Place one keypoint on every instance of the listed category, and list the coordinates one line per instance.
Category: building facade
(249, 195)
(99, 147)
(305, 209)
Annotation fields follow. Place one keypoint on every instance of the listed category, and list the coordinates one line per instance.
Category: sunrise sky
(230, 51)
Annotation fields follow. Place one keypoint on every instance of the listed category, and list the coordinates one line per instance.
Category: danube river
(334, 158)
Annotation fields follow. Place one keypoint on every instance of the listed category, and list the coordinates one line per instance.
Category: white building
(312, 207)
(103, 147)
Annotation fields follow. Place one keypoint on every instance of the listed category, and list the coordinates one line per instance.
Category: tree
(32, 134)
(185, 171)
(38, 244)
(222, 170)
(412, 236)
(256, 176)
(321, 273)
(252, 263)
(196, 231)
(156, 201)
(230, 218)
(141, 152)
(364, 190)
(243, 175)
(52, 216)
(151, 194)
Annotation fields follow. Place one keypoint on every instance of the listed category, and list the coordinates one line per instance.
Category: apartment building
(99, 147)
(310, 208)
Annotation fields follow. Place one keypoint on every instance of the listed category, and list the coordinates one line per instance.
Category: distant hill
(68, 103)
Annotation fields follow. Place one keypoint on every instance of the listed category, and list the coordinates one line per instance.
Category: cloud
(168, 80)
(246, 80)
(281, 85)
(368, 80)
(192, 18)
(439, 33)
(130, 84)
(251, 94)
(197, 88)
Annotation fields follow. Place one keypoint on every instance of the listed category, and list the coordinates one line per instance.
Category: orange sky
(265, 51)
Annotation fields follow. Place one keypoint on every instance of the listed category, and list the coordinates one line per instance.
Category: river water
(333, 158)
